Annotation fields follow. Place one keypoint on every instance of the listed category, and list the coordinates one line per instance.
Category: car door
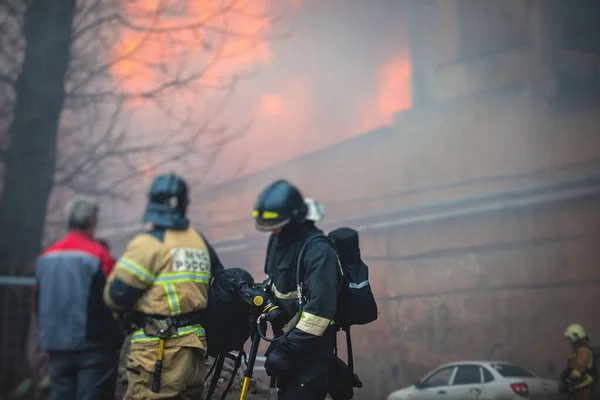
(466, 384)
(435, 384)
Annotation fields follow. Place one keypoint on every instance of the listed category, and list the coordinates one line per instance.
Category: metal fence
(16, 294)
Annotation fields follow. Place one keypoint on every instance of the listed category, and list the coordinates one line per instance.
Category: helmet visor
(267, 221)
(267, 225)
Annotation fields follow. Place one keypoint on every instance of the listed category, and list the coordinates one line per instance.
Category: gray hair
(80, 212)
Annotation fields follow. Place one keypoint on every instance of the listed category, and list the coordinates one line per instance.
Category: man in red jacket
(75, 327)
(111, 263)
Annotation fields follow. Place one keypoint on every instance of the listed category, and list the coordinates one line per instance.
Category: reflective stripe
(283, 296)
(313, 324)
(177, 277)
(174, 305)
(340, 265)
(588, 380)
(358, 285)
(134, 268)
(140, 336)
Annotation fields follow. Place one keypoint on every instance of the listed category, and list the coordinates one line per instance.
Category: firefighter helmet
(277, 205)
(575, 332)
(167, 202)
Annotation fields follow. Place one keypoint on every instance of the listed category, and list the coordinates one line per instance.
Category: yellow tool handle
(161, 349)
(245, 388)
(158, 366)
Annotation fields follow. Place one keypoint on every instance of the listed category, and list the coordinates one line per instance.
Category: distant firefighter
(581, 374)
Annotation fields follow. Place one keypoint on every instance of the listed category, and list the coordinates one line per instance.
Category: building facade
(478, 209)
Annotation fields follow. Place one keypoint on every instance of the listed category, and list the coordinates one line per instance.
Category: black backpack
(356, 304)
(226, 321)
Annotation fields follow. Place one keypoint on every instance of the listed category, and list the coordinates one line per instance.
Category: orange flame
(170, 38)
(394, 93)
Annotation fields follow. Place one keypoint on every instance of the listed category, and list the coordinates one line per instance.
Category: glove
(277, 362)
(565, 377)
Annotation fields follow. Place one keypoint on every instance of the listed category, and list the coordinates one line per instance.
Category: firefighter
(300, 360)
(580, 376)
(162, 280)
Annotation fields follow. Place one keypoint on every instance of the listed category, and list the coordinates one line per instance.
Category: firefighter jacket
(581, 367)
(163, 273)
(322, 283)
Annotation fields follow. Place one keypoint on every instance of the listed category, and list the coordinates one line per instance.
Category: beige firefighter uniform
(174, 275)
(581, 362)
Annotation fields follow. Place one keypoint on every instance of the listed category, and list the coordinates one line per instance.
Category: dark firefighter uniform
(300, 360)
(164, 273)
(580, 376)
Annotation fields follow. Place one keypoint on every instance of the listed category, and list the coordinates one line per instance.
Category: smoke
(343, 71)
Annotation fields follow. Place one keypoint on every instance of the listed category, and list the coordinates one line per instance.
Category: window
(467, 375)
(439, 378)
(512, 371)
(487, 375)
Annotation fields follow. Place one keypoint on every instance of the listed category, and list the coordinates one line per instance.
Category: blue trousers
(86, 375)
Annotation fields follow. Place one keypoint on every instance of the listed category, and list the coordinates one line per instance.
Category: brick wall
(500, 286)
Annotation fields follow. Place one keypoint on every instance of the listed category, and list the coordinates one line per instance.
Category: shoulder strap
(269, 253)
(300, 260)
(350, 355)
(356, 380)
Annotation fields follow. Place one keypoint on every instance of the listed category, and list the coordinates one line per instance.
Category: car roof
(458, 363)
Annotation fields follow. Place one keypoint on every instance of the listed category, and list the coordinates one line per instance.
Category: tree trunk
(30, 157)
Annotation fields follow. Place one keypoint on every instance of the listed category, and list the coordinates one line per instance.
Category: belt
(179, 321)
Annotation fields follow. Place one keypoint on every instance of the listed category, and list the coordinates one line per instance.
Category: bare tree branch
(104, 148)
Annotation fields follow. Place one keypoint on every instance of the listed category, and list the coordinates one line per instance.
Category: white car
(481, 380)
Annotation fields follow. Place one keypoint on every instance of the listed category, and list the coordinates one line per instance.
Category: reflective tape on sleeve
(313, 324)
(358, 285)
(135, 269)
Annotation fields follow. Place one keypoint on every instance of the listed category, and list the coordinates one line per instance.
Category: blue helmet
(277, 205)
(167, 202)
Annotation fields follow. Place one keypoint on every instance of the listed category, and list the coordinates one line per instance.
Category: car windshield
(512, 371)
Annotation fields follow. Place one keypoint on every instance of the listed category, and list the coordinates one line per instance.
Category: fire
(289, 116)
(171, 38)
(393, 93)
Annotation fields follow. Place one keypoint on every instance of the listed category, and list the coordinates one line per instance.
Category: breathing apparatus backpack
(356, 303)
(226, 321)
